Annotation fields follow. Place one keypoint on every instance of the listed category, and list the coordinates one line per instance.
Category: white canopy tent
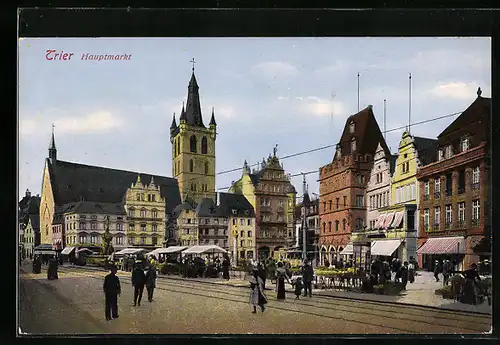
(131, 251)
(68, 250)
(210, 249)
(168, 250)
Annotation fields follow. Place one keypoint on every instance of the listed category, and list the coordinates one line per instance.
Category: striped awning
(379, 221)
(398, 218)
(387, 220)
(443, 245)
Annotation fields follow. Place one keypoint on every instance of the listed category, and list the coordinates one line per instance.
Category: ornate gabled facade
(307, 219)
(272, 195)
(193, 149)
(145, 209)
(343, 183)
(455, 191)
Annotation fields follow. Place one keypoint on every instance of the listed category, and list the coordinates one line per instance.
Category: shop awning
(67, 250)
(348, 250)
(443, 245)
(385, 247)
(387, 220)
(379, 221)
(130, 251)
(398, 219)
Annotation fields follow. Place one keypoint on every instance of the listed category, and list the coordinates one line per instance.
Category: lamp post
(235, 235)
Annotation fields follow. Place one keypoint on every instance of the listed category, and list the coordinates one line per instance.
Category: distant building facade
(455, 192)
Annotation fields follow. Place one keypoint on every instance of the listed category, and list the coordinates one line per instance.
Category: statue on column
(107, 238)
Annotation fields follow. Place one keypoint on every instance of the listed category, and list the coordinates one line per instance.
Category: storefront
(387, 249)
(443, 248)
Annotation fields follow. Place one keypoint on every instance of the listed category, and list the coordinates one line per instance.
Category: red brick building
(342, 206)
(454, 192)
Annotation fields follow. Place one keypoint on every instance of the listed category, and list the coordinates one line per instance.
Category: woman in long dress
(257, 296)
(280, 281)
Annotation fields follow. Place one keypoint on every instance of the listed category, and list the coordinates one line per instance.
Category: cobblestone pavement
(74, 304)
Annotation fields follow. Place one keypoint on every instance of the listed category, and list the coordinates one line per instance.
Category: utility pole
(304, 224)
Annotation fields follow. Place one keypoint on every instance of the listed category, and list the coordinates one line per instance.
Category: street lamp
(235, 234)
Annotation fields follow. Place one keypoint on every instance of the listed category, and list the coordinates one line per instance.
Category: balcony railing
(475, 222)
(448, 192)
(461, 190)
(447, 226)
(426, 197)
(437, 195)
(476, 186)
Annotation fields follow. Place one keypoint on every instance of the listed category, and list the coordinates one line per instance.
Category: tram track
(321, 305)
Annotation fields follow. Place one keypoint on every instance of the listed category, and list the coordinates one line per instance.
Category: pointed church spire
(183, 114)
(193, 107)
(152, 183)
(138, 181)
(212, 120)
(174, 124)
(52, 148)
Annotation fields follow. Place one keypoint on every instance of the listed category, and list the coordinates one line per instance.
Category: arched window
(336, 225)
(353, 145)
(206, 168)
(329, 226)
(193, 143)
(178, 146)
(324, 227)
(204, 145)
(191, 165)
(175, 148)
(143, 213)
(343, 224)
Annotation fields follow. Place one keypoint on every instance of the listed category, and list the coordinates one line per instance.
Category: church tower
(193, 149)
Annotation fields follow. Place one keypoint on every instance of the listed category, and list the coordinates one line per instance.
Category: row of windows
(449, 213)
(93, 226)
(154, 227)
(447, 152)
(437, 181)
(267, 202)
(242, 221)
(193, 145)
(205, 221)
(206, 232)
(142, 197)
(220, 243)
(379, 200)
(359, 202)
(142, 240)
(143, 213)
(269, 218)
(406, 193)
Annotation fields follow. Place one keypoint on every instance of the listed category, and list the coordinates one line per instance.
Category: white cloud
(319, 106)
(274, 69)
(27, 127)
(457, 90)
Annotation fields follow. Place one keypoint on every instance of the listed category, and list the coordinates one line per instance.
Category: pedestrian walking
(411, 272)
(37, 264)
(307, 277)
(298, 287)
(225, 267)
(151, 282)
(111, 289)
(52, 269)
(437, 270)
(281, 276)
(262, 274)
(257, 295)
(403, 272)
(446, 272)
(138, 281)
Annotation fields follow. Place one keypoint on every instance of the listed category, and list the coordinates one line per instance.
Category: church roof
(367, 133)
(72, 181)
(207, 208)
(35, 222)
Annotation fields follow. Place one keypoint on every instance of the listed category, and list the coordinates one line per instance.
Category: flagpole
(385, 136)
(358, 92)
(409, 104)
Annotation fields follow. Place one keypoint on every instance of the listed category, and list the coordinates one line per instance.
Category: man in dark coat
(111, 289)
(225, 267)
(403, 271)
(151, 282)
(261, 272)
(138, 281)
(52, 269)
(307, 277)
(446, 271)
(437, 270)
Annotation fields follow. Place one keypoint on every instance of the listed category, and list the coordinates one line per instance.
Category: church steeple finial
(52, 148)
(173, 126)
(192, 60)
(212, 120)
(183, 114)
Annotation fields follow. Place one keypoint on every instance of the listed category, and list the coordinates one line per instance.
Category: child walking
(298, 287)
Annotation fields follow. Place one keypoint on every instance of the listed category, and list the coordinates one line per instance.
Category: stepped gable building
(343, 183)
(455, 192)
(193, 149)
(272, 195)
(212, 224)
(67, 182)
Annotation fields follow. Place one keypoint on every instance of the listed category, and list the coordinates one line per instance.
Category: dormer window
(351, 127)
(440, 155)
(464, 144)
(449, 151)
(353, 144)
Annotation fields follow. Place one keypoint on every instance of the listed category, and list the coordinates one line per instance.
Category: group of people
(258, 283)
(396, 271)
(52, 266)
(140, 279)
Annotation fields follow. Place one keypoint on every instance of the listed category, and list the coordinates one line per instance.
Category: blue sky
(294, 92)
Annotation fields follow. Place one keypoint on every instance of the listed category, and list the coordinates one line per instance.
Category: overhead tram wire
(325, 147)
